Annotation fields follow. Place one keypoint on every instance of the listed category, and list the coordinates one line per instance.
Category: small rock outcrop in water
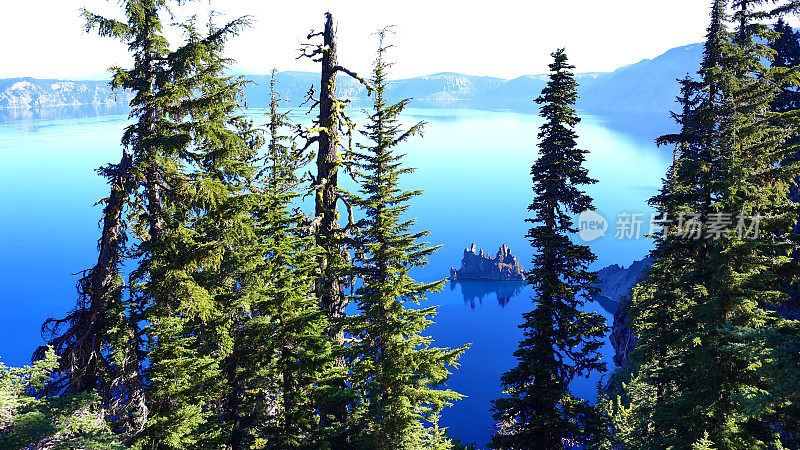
(476, 266)
(615, 286)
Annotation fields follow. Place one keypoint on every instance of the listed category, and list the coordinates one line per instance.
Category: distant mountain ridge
(645, 87)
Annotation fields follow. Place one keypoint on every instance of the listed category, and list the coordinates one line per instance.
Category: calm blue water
(473, 165)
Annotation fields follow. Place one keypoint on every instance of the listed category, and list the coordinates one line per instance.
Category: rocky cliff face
(615, 286)
(476, 266)
(616, 281)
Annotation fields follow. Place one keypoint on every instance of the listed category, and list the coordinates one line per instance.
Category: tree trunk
(328, 161)
(329, 285)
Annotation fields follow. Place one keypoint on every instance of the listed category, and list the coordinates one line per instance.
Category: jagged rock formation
(622, 338)
(615, 286)
(616, 281)
(476, 266)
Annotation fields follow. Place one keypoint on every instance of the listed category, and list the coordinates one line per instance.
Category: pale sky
(504, 38)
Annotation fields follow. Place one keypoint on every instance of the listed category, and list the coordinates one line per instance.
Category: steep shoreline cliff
(615, 285)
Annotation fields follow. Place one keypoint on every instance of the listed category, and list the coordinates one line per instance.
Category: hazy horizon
(502, 40)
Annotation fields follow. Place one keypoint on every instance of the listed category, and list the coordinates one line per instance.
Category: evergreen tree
(192, 157)
(190, 281)
(332, 132)
(706, 301)
(396, 372)
(661, 301)
(561, 341)
(91, 339)
(101, 347)
(281, 350)
(786, 54)
(330, 129)
(64, 421)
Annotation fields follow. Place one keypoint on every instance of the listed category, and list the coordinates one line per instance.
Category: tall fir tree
(560, 341)
(397, 374)
(191, 155)
(706, 303)
(786, 54)
(189, 282)
(281, 351)
(661, 301)
(331, 131)
(101, 349)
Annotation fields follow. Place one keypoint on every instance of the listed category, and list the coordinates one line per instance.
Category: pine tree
(396, 372)
(705, 305)
(192, 157)
(191, 279)
(332, 132)
(281, 350)
(63, 421)
(101, 347)
(661, 301)
(85, 339)
(330, 129)
(561, 341)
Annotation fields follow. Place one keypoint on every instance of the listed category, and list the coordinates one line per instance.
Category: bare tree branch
(366, 83)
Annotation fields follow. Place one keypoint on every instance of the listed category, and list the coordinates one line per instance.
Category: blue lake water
(473, 165)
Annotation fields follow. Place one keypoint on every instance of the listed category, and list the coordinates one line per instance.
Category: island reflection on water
(476, 291)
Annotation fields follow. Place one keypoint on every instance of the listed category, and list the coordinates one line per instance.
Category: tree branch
(366, 83)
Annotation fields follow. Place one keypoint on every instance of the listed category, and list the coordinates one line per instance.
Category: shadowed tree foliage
(61, 422)
(282, 355)
(704, 315)
(560, 340)
(786, 48)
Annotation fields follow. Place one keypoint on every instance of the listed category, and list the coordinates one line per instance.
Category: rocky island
(477, 266)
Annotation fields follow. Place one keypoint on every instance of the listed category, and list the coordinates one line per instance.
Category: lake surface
(473, 165)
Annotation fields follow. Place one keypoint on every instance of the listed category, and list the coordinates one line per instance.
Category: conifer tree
(192, 278)
(191, 155)
(396, 372)
(66, 421)
(329, 131)
(85, 339)
(281, 350)
(706, 301)
(102, 334)
(661, 301)
(332, 132)
(560, 342)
